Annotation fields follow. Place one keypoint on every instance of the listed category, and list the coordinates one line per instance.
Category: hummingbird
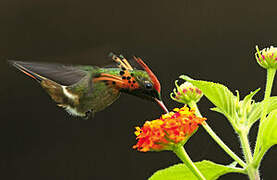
(83, 90)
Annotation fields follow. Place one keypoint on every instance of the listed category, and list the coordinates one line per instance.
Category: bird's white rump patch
(69, 94)
(72, 111)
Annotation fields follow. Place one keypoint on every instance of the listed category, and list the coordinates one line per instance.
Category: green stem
(246, 147)
(257, 160)
(252, 172)
(182, 154)
(269, 81)
(216, 138)
(223, 145)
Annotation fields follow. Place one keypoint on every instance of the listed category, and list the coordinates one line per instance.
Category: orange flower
(170, 129)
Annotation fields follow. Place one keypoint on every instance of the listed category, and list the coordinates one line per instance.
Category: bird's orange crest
(152, 76)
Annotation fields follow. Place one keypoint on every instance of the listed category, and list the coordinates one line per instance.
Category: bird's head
(142, 83)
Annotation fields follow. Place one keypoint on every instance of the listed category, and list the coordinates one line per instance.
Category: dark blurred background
(210, 40)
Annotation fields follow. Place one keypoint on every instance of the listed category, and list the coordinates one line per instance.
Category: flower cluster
(170, 129)
(186, 93)
(267, 57)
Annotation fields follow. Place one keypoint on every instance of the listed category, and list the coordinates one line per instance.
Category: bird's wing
(65, 75)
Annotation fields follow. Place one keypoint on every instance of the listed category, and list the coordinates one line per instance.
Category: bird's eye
(148, 85)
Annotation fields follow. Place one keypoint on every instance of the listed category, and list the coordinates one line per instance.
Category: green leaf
(246, 107)
(218, 94)
(248, 100)
(267, 136)
(257, 109)
(272, 105)
(209, 169)
(255, 113)
(233, 164)
(268, 133)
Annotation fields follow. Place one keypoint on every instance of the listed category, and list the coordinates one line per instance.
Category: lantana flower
(267, 58)
(173, 128)
(186, 93)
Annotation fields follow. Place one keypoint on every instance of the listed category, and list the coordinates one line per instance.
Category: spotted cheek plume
(124, 80)
(129, 82)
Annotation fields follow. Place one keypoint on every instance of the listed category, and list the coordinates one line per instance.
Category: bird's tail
(20, 66)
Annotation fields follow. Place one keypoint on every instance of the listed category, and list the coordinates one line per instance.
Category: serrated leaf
(247, 105)
(268, 133)
(209, 169)
(257, 109)
(218, 94)
(216, 109)
(247, 99)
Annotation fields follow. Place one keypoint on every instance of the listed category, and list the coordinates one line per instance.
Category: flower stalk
(252, 172)
(182, 154)
(216, 138)
(269, 82)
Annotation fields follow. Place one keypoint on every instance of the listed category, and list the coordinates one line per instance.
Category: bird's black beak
(161, 104)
